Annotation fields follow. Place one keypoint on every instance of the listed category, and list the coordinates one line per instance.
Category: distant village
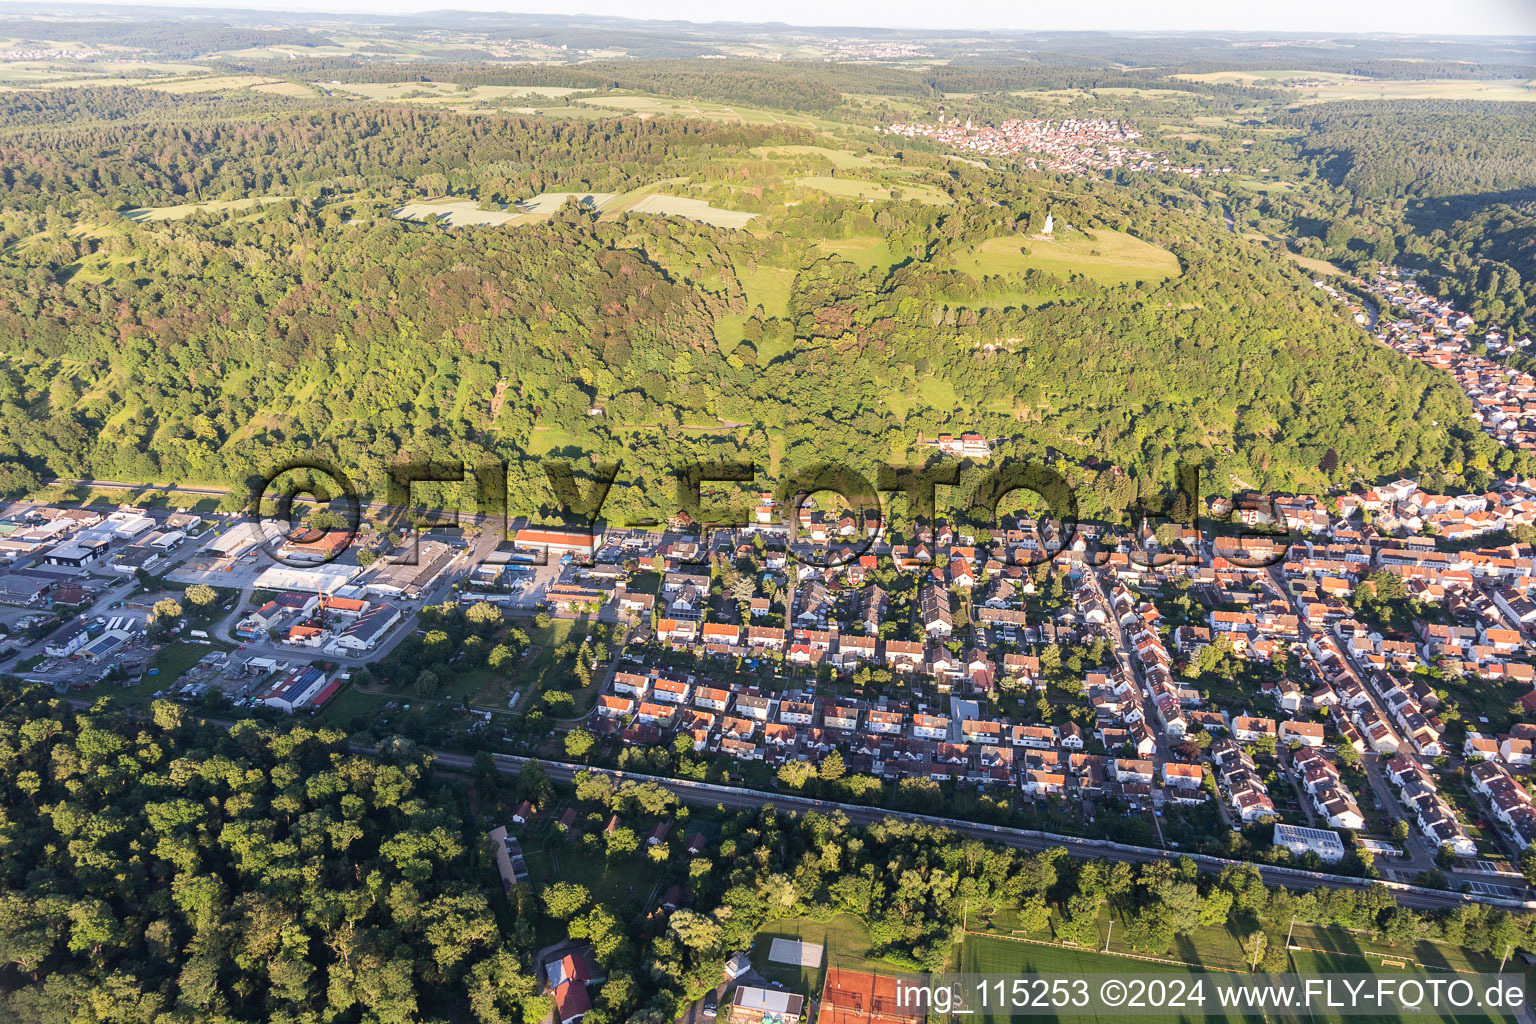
(1069, 146)
(1436, 333)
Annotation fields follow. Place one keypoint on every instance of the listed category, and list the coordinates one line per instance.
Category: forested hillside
(209, 346)
(1422, 148)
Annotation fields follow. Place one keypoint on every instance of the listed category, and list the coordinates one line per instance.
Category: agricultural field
(692, 209)
(159, 213)
(1108, 257)
(663, 106)
(547, 203)
(441, 93)
(462, 213)
(842, 159)
(213, 83)
(468, 213)
(1322, 86)
(50, 74)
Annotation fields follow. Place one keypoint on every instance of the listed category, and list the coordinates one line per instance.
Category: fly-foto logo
(580, 499)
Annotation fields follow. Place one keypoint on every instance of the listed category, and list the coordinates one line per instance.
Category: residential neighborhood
(1320, 662)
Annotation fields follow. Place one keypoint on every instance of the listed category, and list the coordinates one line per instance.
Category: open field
(867, 253)
(661, 106)
(858, 188)
(1108, 257)
(1316, 266)
(467, 212)
(213, 83)
(1322, 86)
(1264, 77)
(692, 209)
(295, 89)
(768, 287)
(839, 158)
(151, 213)
(547, 203)
(51, 73)
(439, 93)
(845, 942)
(461, 213)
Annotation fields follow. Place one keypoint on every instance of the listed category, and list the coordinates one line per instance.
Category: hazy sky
(1460, 17)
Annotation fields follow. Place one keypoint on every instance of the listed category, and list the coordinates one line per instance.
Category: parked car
(711, 1004)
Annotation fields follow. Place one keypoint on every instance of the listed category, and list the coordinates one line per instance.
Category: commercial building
(363, 634)
(560, 541)
(295, 689)
(1301, 840)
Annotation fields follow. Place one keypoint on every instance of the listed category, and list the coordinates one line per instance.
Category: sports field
(988, 955)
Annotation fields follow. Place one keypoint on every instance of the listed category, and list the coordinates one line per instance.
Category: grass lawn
(351, 703)
(839, 158)
(860, 188)
(1316, 266)
(729, 330)
(865, 253)
(1108, 257)
(540, 668)
(145, 213)
(623, 883)
(986, 955)
(931, 392)
(768, 287)
(845, 942)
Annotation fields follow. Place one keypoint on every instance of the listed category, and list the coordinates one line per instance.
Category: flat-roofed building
(1300, 840)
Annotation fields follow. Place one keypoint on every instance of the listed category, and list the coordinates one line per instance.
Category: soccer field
(998, 956)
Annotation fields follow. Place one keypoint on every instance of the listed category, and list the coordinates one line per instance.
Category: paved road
(1023, 839)
(1416, 857)
(707, 794)
(119, 590)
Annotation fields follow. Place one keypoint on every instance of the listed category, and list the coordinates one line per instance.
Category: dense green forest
(1422, 148)
(1489, 259)
(162, 870)
(214, 346)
